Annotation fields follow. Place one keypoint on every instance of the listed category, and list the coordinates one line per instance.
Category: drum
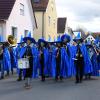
(23, 63)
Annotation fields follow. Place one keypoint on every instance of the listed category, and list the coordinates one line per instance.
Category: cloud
(85, 10)
(80, 11)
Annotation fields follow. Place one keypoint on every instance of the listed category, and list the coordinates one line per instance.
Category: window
(21, 9)
(26, 33)
(49, 20)
(14, 32)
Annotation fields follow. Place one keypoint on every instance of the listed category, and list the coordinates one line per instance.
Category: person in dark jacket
(79, 65)
(28, 54)
(42, 44)
(21, 71)
(58, 62)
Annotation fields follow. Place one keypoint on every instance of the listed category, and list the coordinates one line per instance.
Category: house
(16, 18)
(46, 18)
(61, 26)
(90, 38)
(93, 36)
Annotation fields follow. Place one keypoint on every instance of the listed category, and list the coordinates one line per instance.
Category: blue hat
(21, 40)
(58, 39)
(78, 38)
(66, 36)
(41, 41)
(29, 38)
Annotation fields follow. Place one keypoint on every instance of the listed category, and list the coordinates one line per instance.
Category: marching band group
(60, 59)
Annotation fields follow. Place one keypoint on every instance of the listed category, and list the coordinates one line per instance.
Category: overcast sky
(85, 13)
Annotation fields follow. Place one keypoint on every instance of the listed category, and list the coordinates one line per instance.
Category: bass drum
(23, 63)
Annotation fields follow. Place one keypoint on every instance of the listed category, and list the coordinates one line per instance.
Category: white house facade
(20, 22)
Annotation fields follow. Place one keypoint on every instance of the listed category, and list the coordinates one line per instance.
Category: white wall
(23, 23)
(2, 30)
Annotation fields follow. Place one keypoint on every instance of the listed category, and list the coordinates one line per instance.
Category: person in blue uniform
(35, 53)
(90, 53)
(66, 51)
(7, 58)
(42, 58)
(28, 54)
(81, 51)
(1, 62)
(93, 57)
(18, 51)
(13, 58)
(79, 62)
(59, 72)
(79, 65)
(53, 54)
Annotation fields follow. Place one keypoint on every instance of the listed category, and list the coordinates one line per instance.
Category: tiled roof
(6, 8)
(41, 5)
(61, 25)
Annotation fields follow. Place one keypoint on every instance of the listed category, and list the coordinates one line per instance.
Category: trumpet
(11, 40)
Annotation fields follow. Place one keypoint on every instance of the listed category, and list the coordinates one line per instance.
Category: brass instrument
(11, 40)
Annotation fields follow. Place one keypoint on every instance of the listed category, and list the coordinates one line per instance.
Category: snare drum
(23, 63)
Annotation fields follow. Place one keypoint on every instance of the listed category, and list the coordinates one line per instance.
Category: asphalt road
(10, 89)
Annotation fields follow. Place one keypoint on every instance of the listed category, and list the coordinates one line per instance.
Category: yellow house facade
(46, 17)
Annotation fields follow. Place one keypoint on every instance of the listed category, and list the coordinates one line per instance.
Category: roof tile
(6, 8)
(41, 5)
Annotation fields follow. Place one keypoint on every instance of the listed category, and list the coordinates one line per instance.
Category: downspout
(43, 25)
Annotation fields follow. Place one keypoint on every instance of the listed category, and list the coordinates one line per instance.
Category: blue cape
(6, 60)
(14, 58)
(35, 53)
(93, 57)
(88, 68)
(45, 53)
